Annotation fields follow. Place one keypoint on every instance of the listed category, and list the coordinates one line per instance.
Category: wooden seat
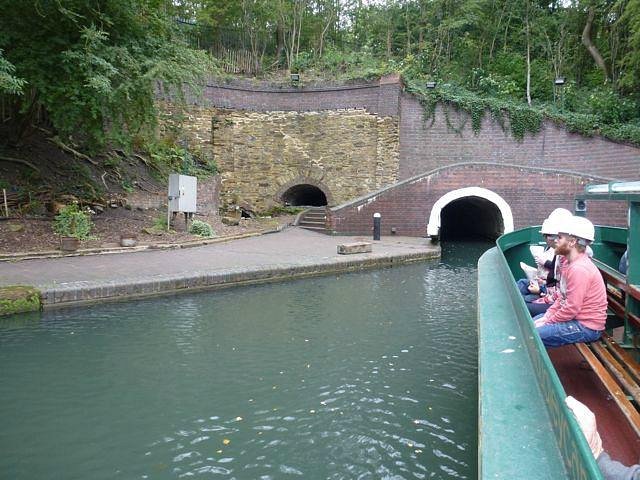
(608, 362)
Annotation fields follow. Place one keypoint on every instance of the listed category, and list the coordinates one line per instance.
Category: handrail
(617, 279)
(616, 302)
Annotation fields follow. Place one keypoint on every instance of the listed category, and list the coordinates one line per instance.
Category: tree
(588, 42)
(630, 61)
(95, 66)
(9, 83)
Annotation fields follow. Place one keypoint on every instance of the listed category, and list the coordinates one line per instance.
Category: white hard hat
(560, 213)
(549, 227)
(579, 227)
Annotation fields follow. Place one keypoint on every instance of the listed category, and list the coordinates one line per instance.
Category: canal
(358, 376)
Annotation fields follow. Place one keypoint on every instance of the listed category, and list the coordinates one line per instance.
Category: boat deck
(582, 383)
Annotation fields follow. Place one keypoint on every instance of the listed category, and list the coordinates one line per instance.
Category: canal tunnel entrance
(469, 213)
(304, 195)
(471, 218)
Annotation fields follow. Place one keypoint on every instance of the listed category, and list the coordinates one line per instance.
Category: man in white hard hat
(580, 312)
(532, 290)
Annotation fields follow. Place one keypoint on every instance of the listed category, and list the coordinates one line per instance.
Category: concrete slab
(294, 252)
(356, 247)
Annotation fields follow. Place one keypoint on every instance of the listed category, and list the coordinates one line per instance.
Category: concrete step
(306, 221)
(315, 229)
(315, 219)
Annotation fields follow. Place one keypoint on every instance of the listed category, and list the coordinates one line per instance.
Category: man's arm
(567, 310)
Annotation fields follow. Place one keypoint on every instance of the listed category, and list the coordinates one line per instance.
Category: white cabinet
(183, 191)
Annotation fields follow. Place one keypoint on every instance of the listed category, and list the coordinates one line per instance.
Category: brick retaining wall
(424, 147)
(407, 206)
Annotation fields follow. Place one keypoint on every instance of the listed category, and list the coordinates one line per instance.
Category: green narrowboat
(526, 431)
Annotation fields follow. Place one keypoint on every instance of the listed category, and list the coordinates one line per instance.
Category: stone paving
(293, 252)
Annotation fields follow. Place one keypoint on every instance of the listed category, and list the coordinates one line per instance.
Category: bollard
(376, 226)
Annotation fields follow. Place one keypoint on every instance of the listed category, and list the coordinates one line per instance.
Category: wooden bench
(619, 374)
(615, 367)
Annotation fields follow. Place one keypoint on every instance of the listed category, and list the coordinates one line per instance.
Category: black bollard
(376, 226)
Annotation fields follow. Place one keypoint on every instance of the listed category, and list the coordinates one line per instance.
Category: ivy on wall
(519, 119)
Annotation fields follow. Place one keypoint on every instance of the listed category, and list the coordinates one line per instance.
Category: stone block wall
(207, 197)
(346, 153)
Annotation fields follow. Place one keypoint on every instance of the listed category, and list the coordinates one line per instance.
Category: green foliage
(522, 119)
(201, 229)
(168, 157)
(127, 185)
(19, 299)
(73, 222)
(602, 102)
(96, 70)
(9, 83)
(630, 75)
(277, 210)
(160, 223)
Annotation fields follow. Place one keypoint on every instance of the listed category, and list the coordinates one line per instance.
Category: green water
(358, 376)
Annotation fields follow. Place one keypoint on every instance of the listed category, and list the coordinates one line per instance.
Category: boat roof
(613, 190)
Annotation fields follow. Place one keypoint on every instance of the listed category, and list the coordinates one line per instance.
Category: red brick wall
(382, 97)
(425, 147)
(530, 193)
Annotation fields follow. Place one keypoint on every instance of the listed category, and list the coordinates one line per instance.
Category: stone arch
(433, 227)
(302, 182)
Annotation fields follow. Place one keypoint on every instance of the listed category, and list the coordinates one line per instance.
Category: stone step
(306, 221)
(315, 229)
(315, 219)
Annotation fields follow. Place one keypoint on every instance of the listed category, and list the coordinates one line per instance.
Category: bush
(160, 224)
(73, 222)
(281, 210)
(201, 229)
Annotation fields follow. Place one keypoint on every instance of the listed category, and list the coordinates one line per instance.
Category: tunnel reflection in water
(471, 218)
(304, 195)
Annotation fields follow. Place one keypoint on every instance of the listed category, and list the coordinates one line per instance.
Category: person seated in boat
(533, 291)
(579, 313)
(539, 293)
(611, 469)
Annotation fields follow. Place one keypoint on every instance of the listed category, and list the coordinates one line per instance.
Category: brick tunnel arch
(304, 192)
(470, 212)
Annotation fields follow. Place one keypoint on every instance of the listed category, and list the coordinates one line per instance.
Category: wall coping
(371, 196)
(290, 89)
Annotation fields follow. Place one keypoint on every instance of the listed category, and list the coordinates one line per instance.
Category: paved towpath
(292, 252)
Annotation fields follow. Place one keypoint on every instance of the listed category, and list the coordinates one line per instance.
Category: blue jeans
(536, 309)
(523, 287)
(564, 333)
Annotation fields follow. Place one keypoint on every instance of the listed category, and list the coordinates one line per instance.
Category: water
(369, 375)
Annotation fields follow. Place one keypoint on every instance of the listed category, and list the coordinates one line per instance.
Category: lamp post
(558, 84)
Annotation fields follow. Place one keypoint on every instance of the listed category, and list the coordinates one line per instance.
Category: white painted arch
(433, 227)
